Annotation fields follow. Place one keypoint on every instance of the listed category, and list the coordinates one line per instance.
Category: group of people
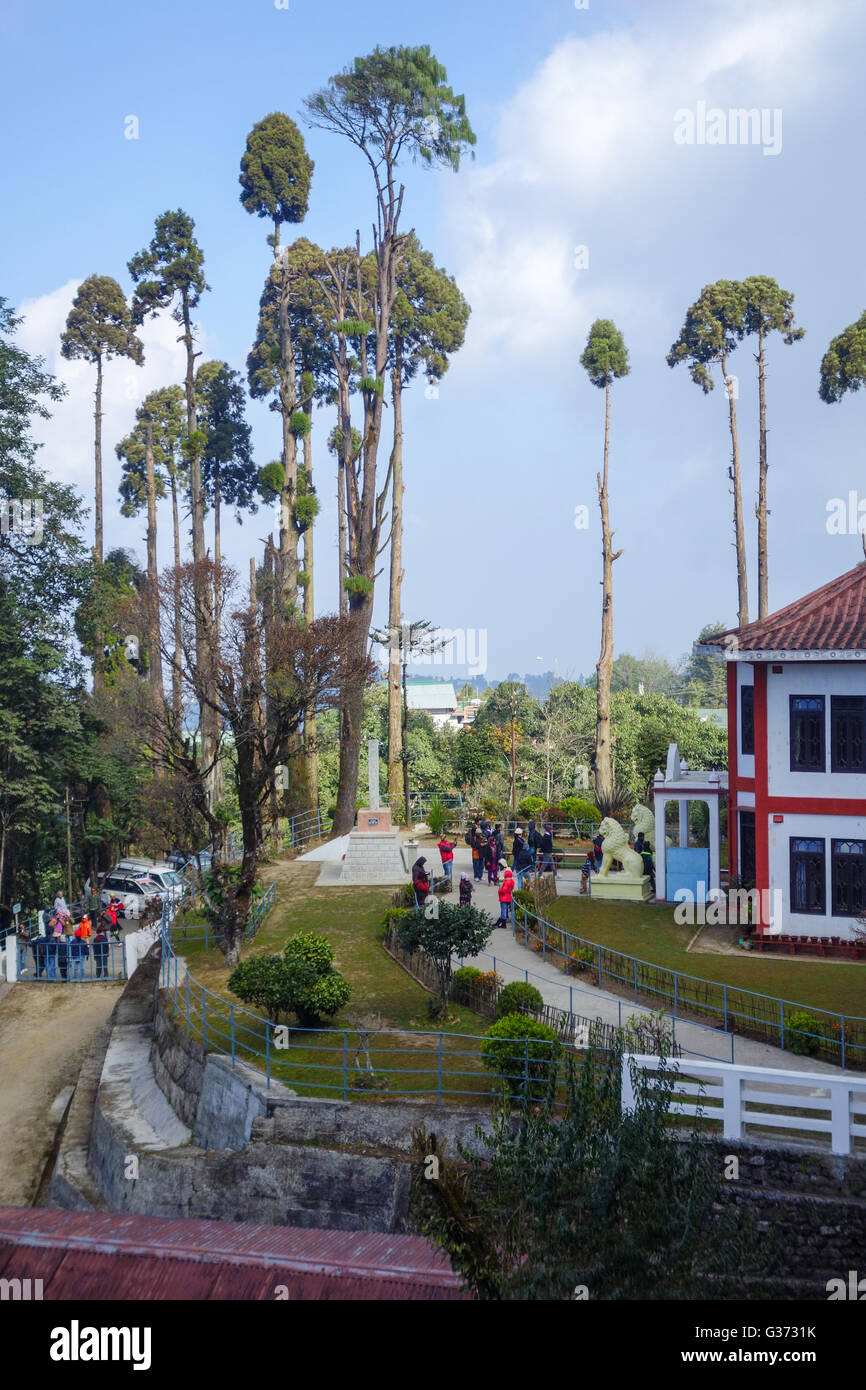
(64, 948)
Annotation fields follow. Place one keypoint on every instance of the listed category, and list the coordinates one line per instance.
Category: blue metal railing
(777, 1021)
(47, 958)
(206, 932)
(233, 1031)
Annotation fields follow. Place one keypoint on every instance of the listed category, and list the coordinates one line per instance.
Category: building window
(747, 719)
(847, 726)
(747, 849)
(807, 877)
(807, 733)
(849, 877)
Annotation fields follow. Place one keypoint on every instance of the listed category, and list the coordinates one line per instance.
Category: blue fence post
(345, 1065)
(205, 936)
(268, 1053)
(526, 1069)
(725, 1004)
(543, 941)
(232, 1025)
(782, 1024)
(676, 977)
(635, 980)
(187, 1001)
(570, 999)
(439, 1086)
(204, 1017)
(842, 1039)
(599, 966)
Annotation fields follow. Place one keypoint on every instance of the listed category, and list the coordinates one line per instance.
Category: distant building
(797, 757)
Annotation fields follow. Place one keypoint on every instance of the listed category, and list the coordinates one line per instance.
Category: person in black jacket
(546, 847)
(79, 952)
(523, 861)
(100, 952)
(62, 956)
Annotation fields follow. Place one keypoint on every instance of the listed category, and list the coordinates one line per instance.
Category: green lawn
(651, 934)
(315, 1063)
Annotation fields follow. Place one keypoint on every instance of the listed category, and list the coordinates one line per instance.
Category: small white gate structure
(737, 1097)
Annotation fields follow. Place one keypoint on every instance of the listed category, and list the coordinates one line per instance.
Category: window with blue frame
(808, 876)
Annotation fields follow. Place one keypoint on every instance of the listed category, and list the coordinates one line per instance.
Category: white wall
(809, 678)
(745, 761)
(826, 828)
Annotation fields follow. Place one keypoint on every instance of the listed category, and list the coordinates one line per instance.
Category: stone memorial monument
(374, 853)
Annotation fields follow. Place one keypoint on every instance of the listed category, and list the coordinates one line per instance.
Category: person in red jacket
(446, 849)
(506, 893)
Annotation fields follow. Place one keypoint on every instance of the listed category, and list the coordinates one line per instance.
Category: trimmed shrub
(579, 810)
(466, 975)
(799, 1027)
(522, 1052)
(530, 807)
(519, 998)
(312, 949)
(261, 982)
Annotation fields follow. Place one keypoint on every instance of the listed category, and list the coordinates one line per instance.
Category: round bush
(522, 1052)
(530, 807)
(519, 998)
(466, 975)
(579, 810)
(310, 948)
(329, 995)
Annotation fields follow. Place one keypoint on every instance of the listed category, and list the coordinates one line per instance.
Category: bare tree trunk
(311, 757)
(761, 508)
(153, 642)
(176, 687)
(604, 669)
(217, 553)
(737, 488)
(99, 635)
(395, 613)
(204, 599)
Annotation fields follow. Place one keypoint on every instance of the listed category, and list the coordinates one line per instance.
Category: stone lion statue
(614, 845)
(643, 819)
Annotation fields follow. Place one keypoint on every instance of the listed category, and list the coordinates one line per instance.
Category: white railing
(801, 1102)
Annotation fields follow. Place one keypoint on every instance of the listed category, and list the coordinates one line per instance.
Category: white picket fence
(800, 1103)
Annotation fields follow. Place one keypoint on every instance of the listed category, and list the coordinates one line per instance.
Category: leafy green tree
(714, 325)
(653, 673)
(429, 321)
(843, 366)
(229, 475)
(587, 1197)
(474, 755)
(704, 677)
(99, 327)
(769, 309)
(276, 173)
(391, 105)
(170, 273)
(605, 360)
(289, 364)
(450, 930)
(151, 458)
(510, 716)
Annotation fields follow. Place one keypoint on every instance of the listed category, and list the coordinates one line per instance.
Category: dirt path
(45, 1031)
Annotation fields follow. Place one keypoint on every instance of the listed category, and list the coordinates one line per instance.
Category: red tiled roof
(91, 1255)
(833, 618)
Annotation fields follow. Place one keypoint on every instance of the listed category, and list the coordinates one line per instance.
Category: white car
(171, 884)
(136, 892)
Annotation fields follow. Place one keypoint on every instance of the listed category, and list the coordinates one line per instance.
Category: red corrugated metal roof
(832, 618)
(92, 1255)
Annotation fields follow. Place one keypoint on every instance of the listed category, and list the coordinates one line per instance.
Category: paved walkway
(513, 961)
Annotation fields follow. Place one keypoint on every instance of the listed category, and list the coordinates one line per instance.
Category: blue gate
(687, 869)
(50, 958)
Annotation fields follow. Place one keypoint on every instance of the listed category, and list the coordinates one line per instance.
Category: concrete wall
(370, 1125)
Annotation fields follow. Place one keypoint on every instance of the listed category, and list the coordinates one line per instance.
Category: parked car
(137, 893)
(171, 884)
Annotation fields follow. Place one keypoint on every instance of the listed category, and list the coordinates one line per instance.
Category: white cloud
(585, 155)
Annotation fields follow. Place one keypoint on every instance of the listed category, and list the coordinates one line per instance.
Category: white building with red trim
(797, 759)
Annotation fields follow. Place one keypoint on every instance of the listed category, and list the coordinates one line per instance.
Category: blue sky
(574, 112)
